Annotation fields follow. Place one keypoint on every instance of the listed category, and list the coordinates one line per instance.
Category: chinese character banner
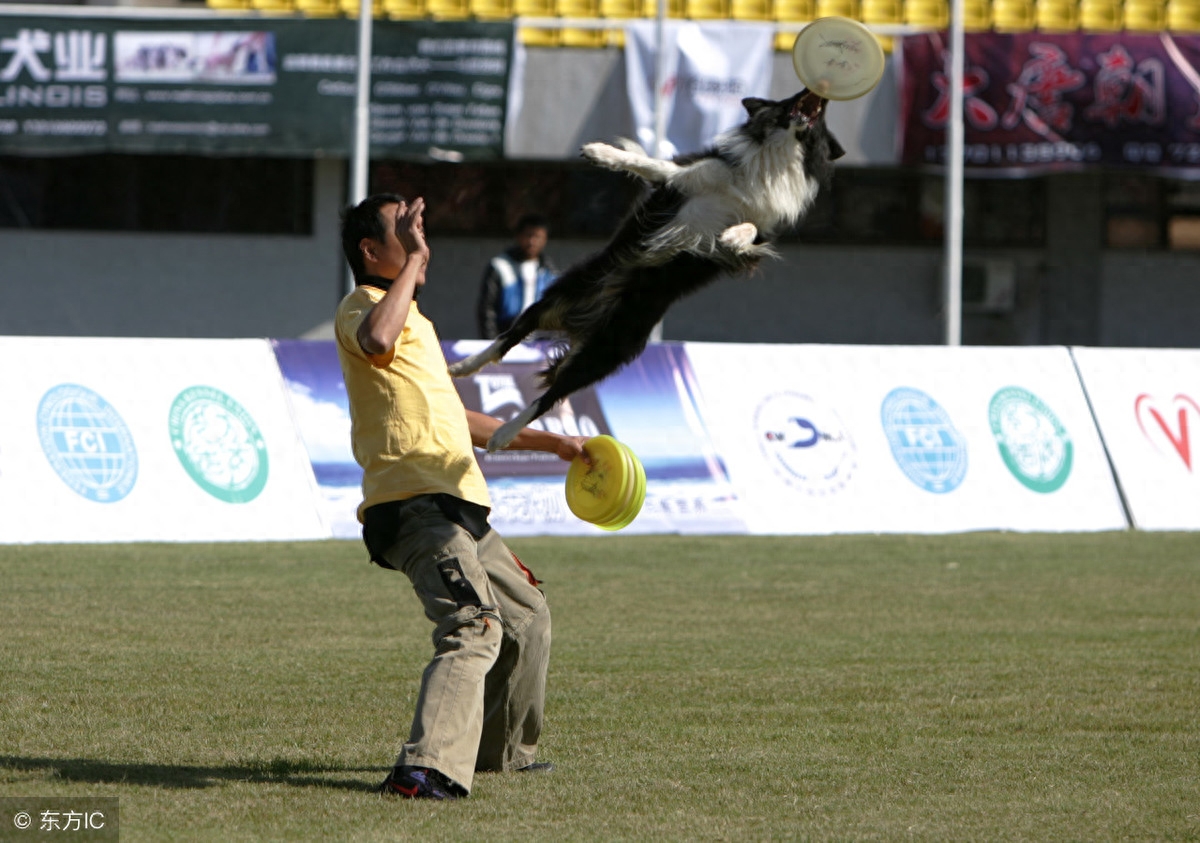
(262, 86)
(1037, 101)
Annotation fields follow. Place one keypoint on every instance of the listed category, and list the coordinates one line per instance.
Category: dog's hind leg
(526, 324)
(574, 289)
(508, 431)
(470, 365)
(580, 368)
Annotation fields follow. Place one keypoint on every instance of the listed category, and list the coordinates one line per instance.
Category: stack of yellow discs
(610, 492)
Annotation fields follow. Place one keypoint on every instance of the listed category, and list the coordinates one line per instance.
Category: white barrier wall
(1147, 405)
(902, 439)
(142, 440)
(200, 440)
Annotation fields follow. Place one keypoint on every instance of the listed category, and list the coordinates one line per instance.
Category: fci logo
(1166, 423)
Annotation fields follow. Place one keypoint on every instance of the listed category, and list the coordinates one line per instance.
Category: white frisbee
(838, 58)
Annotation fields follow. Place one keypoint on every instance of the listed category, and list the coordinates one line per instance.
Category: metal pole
(953, 213)
(660, 78)
(362, 107)
(360, 155)
(660, 108)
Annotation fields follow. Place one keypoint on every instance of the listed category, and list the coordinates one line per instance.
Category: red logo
(1169, 423)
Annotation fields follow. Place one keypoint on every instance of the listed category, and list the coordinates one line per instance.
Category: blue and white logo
(806, 444)
(925, 444)
(87, 443)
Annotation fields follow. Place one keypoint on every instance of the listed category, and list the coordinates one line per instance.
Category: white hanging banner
(903, 439)
(710, 67)
(149, 440)
(1147, 403)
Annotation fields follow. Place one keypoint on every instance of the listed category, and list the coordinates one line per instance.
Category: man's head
(369, 233)
(533, 230)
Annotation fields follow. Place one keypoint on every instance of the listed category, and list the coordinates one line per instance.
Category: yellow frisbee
(838, 58)
(595, 492)
(608, 493)
(636, 499)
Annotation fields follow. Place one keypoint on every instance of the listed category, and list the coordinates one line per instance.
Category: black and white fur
(709, 213)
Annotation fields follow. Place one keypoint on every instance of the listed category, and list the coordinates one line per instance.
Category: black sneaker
(420, 783)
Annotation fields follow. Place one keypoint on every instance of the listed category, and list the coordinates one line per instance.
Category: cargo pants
(482, 695)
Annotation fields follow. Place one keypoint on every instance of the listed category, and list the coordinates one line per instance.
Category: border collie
(706, 214)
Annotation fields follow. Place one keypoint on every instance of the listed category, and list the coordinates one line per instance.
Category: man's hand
(378, 332)
(410, 229)
(570, 447)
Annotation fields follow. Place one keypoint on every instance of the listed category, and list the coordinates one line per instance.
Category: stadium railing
(600, 23)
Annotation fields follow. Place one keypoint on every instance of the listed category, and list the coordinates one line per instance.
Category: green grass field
(977, 687)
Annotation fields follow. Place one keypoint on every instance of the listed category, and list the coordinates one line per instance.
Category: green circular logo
(1033, 443)
(219, 444)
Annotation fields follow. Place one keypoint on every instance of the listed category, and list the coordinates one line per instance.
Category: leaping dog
(708, 213)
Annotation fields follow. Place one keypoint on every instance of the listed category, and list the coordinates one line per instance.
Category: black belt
(382, 521)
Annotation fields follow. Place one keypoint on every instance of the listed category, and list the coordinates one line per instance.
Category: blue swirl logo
(924, 442)
(87, 443)
(806, 444)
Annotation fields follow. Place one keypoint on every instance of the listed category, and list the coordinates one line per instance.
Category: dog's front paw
(602, 154)
(739, 238)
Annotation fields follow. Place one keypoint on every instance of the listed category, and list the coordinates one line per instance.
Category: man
(424, 512)
(516, 278)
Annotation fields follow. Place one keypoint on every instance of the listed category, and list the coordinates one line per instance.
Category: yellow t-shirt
(408, 428)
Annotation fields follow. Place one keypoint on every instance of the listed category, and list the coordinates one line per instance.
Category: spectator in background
(516, 278)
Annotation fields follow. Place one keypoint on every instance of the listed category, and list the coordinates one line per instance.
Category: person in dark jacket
(515, 278)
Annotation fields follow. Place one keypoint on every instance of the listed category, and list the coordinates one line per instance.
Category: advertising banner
(106, 440)
(1147, 404)
(649, 405)
(250, 86)
(710, 67)
(905, 439)
(1038, 101)
(202, 440)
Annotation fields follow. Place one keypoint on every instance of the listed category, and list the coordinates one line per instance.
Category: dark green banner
(250, 86)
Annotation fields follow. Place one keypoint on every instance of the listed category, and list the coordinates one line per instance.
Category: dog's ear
(835, 148)
(753, 105)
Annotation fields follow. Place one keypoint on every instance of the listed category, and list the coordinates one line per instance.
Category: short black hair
(362, 220)
(531, 221)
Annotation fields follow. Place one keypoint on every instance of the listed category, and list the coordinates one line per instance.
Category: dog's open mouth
(807, 107)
